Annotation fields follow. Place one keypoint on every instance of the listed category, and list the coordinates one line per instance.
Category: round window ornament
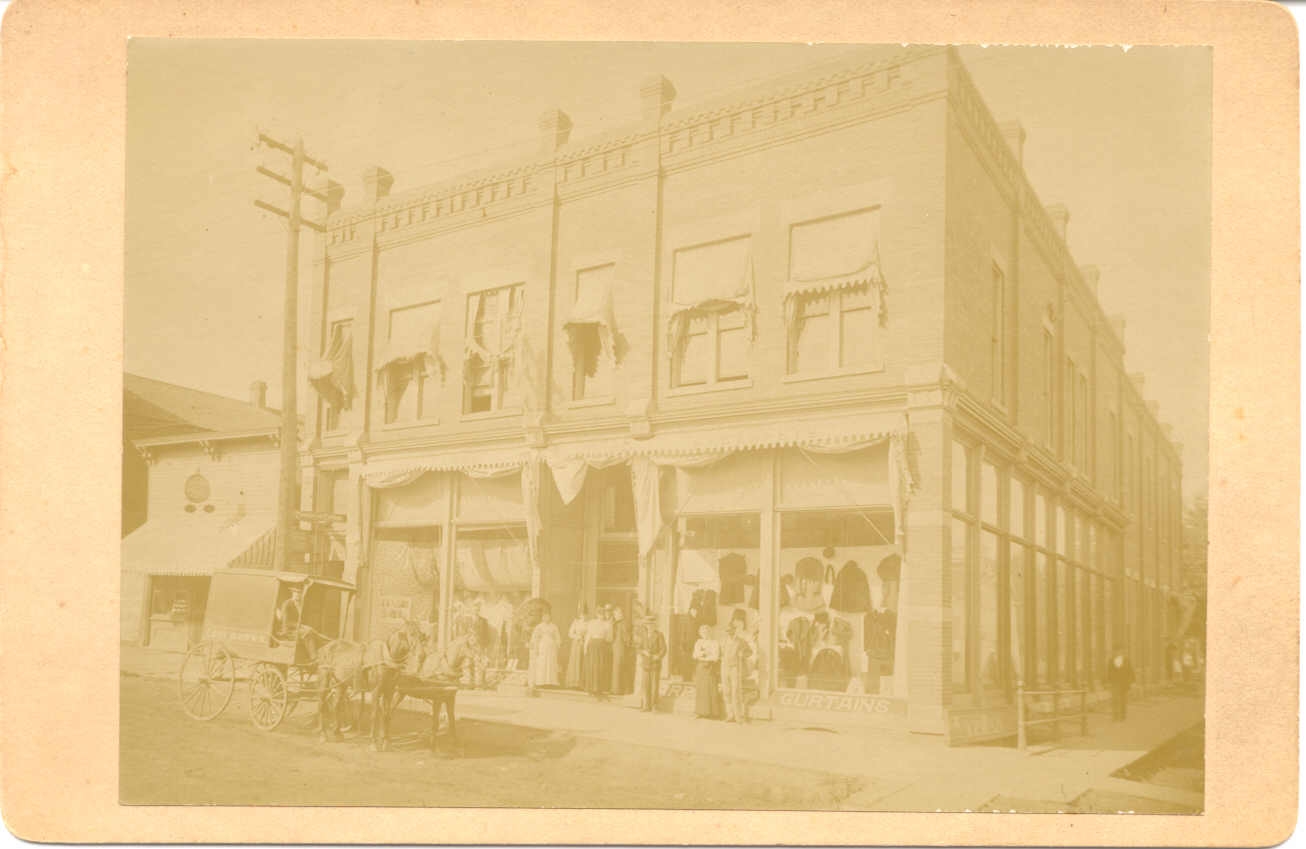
(197, 488)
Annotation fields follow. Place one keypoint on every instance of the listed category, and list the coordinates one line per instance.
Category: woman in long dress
(598, 654)
(576, 653)
(707, 675)
(545, 641)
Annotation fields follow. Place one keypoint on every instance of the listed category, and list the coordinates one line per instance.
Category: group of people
(719, 671)
(606, 656)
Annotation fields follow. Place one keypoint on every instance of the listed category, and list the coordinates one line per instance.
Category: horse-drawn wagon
(264, 627)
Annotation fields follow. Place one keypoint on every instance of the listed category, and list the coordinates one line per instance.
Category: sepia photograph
(771, 427)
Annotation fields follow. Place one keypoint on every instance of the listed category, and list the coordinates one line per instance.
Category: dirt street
(169, 758)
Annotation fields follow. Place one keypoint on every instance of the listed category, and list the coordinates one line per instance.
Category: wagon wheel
(206, 681)
(268, 696)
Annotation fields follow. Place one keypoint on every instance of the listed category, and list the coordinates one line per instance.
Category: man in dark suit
(1119, 677)
(652, 647)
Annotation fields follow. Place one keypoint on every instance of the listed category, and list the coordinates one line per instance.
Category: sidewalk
(900, 771)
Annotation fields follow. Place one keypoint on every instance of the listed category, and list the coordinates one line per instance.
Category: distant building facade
(813, 356)
(204, 490)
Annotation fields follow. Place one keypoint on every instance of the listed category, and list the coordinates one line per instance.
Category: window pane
(1016, 518)
(989, 493)
(401, 394)
(858, 619)
(1061, 529)
(960, 490)
(1042, 604)
(733, 352)
(1062, 590)
(696, 358)
(988, 609)
(1108, 621)
(1040, 518)
(1084, 595)
(857, 337)
(1072, 535)
(1016, 598)
(813, 336)
(959, 596)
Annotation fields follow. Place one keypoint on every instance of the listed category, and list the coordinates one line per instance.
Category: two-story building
(813, 355)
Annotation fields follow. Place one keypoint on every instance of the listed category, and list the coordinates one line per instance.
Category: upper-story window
(1049, 430)
(1082, 414)
(492, 341)
(710, 330)
(998, 336)
(333, 373)
(834, 294)
(591, 334)
(408, 365)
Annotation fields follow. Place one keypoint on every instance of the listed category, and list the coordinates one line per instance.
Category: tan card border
(60, 413)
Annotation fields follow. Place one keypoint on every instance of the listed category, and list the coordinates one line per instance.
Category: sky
(1122, 138)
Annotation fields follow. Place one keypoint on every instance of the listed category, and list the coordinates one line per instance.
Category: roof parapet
(377, 183)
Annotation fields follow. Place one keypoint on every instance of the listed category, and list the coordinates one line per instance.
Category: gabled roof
(154, 408)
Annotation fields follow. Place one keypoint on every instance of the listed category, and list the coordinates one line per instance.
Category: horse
(373, 667)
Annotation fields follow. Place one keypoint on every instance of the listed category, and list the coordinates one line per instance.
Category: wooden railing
(1055, 718)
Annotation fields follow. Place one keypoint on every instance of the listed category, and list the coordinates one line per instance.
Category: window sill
(394, 426)
(582, 403)
(828, 375)
(720, 386)
(492, 414)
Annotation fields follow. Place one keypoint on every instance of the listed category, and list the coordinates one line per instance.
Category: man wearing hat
(652, 648)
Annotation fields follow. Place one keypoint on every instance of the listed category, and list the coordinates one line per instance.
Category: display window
(491, 579)
(837, 596)
(405, 577)
(718, 564)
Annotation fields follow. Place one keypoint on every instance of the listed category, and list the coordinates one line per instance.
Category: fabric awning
(835, 254)
(483, 462)
(414, 340)
(593, 309)
(333, 375)
(189, 544)
(717, 277)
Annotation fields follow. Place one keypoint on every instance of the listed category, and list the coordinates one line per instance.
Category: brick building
(813, 354)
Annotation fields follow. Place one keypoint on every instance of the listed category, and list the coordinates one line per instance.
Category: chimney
(376, 183)
(1091, 276)
(258, 395)
(1014, 133)
(335, 193)
(555, 129)
(656, 94)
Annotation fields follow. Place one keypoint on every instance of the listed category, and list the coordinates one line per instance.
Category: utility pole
(287, 509)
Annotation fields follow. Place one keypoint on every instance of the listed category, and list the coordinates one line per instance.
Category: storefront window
(1016, 518)
(960, 554)
(405, 577)
(491, 579)
(1084, 629)
(838, 599)
(1042, 604)
(988, 493)
(1020, 652)
(1108, 621)
(717, 567)
(990, 667)
(1062, 590)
